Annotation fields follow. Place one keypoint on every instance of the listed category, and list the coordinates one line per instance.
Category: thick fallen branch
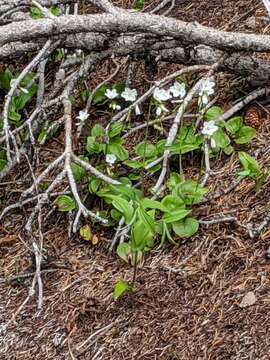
(124, 22)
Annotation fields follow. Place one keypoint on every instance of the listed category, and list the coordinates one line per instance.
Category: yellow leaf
(86, 233)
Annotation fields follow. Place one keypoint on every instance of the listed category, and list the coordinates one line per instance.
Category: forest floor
(188, 299)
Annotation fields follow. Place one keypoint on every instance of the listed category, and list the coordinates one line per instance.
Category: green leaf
(214, 113)
(175, 215)
(93, 185)
(35, 13)
(86, 233)
(172, 203)
(245, 135)
(65, 203)
(55, 10)
(97, 131)
(120, 288)
(3, 164)
(127, 191)
(186, 227)
(14, 116)
(116, 215)
(124, 251)
(153, 204)
(115, 129)
(138, 5)
(118, 150)
(145, 149)
(228, 150)
(123, 206)
(84, 95)
(92, 147)
(146, 219)
(99, 95)
(133, 164)
(141, 237)
(5, 78)
(190, 192)
(250, 165)
(222, 140)
(174, 180)
(234, 124)
(78, 172)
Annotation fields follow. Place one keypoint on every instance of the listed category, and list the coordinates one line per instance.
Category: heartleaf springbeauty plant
(252, 169)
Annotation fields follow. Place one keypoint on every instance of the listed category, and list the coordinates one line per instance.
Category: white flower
(207, 87)
(204, 99)
(137, 110)
(209, 128)
(111, 94)
(213, 143)
(178, 90)
(110, 159)
(160, 109)
(129, 94)
(114, 106)
(161, 94)
(83, 116)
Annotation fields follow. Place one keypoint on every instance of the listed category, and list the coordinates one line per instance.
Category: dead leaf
(248, 300)
(95, 240)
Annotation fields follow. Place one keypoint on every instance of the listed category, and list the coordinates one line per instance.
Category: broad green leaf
(65, 203)
(249, 164)
(141, 236)
(172, 203)
(116, 215)
(174, 180)
(78, 172)
(120, 288)
(146, 219)
(233, 125)
(228, 150)
(145, 149)
(14, 116)
(175, 215)
(133, 164)
(123, 206)
(124, 251)
(97, 131)
(99, 95)
(117, 150)
(93, 185)
(92, 147)
(115, 129)
(245, 135)
(86, 233)
(186, 227)
(214, 113)
(222, 140)
(153, 204)
(190, 192)
(127, 191)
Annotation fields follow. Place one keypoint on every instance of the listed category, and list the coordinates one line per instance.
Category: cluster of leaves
(36, 13)
(230, 132)
(25, 93)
